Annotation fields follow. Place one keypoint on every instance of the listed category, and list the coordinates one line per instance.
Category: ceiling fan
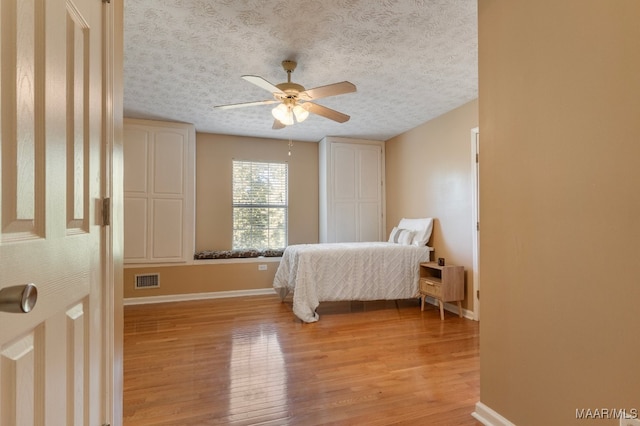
(294, 100)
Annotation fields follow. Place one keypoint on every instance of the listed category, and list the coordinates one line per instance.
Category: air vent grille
(147, 281)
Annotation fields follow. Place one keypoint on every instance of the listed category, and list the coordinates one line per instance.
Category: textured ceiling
(411, 61)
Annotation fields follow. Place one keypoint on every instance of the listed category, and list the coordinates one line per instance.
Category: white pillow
(421, 227)
(401, 236)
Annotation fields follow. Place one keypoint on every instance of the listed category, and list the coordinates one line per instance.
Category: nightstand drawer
(430, 288)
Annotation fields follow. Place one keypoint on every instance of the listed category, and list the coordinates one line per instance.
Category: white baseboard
(451, 308)
(197, 296)
(254, 292)
(488, 417)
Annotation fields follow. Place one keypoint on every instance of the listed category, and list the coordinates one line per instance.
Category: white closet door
(369, 193)
(159, 190)
(356, 192)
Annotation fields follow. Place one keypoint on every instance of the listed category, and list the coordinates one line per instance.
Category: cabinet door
(356, 188)
(369, 193)
(159, 191)
(136, 184)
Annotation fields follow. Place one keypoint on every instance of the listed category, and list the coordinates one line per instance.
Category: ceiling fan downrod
(289, 67)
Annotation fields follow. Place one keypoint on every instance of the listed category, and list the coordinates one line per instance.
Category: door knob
(18, 299)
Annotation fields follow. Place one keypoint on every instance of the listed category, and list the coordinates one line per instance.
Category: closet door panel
(345, 222)
(368, 221)
(344, 172)
(369, 179)
(167, 229)
(168, 163)
(136, 153)
(135, 228)
(369, 193)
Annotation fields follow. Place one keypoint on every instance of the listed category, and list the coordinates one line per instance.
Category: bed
(354, 271)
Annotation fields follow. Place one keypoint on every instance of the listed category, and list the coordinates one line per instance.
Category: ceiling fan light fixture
(300, 113)
(283, 114)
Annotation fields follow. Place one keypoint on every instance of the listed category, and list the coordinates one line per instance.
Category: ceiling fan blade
(329, 113)
(261, 82)
(246, 104)
(277, 124)
(328, 90)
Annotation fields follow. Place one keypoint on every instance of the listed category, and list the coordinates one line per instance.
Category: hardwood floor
(249, 361)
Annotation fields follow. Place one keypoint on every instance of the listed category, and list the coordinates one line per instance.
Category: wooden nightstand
(443, 283)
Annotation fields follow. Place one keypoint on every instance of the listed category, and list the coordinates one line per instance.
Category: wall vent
(147, 281)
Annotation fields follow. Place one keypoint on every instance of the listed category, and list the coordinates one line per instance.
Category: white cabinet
(351, 201)
(159, 191)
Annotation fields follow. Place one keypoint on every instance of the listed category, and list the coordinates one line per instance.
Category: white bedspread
(347, 271)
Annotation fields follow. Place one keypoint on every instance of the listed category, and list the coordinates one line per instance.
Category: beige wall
(214, 155)
(429, 174)
(202, 277)
(560, 207)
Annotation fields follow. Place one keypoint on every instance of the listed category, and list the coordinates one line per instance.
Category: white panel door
(52, 358)
(356, 185)
(136, 184)
(167, 195)
(159, 190)
(345, 193)
(369, 193)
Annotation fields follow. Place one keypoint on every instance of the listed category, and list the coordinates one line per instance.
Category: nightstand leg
(422, 302)
(459, 309)
(441, 309)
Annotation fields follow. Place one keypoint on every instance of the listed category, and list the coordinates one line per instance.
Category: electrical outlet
(262, 267)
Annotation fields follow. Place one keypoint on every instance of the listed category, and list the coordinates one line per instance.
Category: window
(259, 205)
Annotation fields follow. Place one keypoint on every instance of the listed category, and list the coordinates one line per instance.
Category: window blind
(260, 205)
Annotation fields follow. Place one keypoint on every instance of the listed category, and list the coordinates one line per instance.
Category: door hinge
(477, 226)
(478, 294)
(477, 158)
(106, 211)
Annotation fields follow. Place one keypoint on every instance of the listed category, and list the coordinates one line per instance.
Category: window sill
(196, 262)
(237, 260)
(237, 254)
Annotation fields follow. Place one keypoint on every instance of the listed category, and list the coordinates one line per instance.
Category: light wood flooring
(250, 361)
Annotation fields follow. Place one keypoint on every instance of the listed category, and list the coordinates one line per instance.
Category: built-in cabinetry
(351, 190)
(443, 283)
(159, 191)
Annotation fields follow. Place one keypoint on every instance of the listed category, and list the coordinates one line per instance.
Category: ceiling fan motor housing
(291, 89)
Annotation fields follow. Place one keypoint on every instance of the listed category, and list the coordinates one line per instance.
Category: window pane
(277, 218)
(241, 218)
(277, 238)
(259, 205)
